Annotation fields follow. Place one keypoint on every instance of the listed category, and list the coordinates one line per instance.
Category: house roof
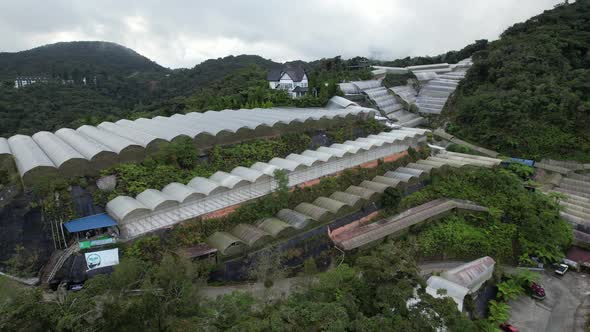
(296, 73)
(274, 74)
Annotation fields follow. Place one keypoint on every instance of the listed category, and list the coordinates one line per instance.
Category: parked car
(508, 328)
(537, 291)
(561, 269)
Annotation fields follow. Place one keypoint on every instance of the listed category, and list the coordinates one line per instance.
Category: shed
(226, 244)
(251, 235)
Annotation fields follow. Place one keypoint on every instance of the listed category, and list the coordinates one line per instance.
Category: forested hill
(120, 84)
(528, 93)
(69, 59)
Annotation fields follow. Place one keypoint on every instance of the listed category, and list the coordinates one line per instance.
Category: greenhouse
(315, 212)
(293, 218)
(123, 208)
(354, 201)
(149, 142)
(68, 161)
(374, 186)
(226, 244)
(242, 184)
(453, 290)
(182, 193)
(99, 155)
(275, 227)
(337, 208)
(251, 235)
(31, 160)
(130, 141)
(156, 200)
(473, 274)
(365, 193)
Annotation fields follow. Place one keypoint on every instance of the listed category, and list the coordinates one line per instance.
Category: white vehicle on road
(561, 269)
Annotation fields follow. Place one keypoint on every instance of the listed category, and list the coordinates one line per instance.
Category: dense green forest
(448, 57)
(527, 94)
(73, 60)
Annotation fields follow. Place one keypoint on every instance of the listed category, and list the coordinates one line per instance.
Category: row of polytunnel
(153, 209)
(88, 149)
(341, 203)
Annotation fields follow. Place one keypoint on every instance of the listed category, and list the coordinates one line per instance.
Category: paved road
(565, 307)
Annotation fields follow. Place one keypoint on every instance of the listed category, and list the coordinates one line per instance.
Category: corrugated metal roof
(91, 222)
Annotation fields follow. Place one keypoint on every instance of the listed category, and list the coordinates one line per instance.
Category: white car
(561, 269)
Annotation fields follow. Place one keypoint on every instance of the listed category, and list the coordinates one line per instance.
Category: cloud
(179, 33)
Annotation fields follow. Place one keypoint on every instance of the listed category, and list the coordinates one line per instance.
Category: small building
(291, 79)
(21, 82)
(462, 280)
(92, 231)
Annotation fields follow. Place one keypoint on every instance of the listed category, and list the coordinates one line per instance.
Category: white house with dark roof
(292, 79)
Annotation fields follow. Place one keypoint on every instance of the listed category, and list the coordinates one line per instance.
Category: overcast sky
(178, 33)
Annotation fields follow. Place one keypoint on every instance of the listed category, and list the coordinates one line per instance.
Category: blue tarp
(91, 222)
(524, 161)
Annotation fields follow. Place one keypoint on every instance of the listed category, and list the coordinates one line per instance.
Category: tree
(499, 312)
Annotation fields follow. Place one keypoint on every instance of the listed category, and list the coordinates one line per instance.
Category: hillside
(127, 85)
(528, 94)
(83, 57)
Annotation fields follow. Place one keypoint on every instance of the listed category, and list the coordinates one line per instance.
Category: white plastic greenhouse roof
(4, 147)
(181, 192)
(239, 176)
(126, 140)
(453, 290)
